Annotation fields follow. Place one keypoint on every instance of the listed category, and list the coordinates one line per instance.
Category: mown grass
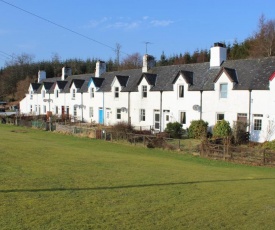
(53, 181)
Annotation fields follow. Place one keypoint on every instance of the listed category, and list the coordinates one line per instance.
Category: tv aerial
(146, 44)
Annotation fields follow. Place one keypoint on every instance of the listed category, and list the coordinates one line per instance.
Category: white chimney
(148, 63)
(66, 71)
(218, 54)
(100, 68)
(41, 75)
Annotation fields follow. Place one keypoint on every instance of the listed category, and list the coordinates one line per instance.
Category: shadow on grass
(126, 186)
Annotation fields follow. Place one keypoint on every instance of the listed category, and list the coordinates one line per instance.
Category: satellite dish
(123, 109)
(196, 107)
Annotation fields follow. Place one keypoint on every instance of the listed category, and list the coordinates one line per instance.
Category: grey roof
(122, 80)
(97, 81)
(35, 86)
(246, 74)
(134, 75)
(150, 78)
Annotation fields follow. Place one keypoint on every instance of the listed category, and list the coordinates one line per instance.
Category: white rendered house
(151, 97)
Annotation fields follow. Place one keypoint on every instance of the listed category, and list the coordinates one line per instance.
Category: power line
(60, 26)
(5, 54)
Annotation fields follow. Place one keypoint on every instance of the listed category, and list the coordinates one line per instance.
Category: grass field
(53, 181)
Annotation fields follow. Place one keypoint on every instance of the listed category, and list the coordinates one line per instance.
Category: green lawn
(53, 181)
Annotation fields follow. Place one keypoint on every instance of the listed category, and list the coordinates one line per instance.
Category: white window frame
(31, 108)
(118, 114)
(92, 95)
(43, 93)
(75, 111)
(116, 92)
(56, 109)
(218, 118)
(31, 95)
(44, 108)
(56, 93)
(91, 111)
(142, 115)
(180, 91)
(73, 94)
(223, 90)
(144, 91)
(182, 117)
(257, 122)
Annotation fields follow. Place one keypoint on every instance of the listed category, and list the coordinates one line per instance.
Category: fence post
(144, 140)
(179, 143)
(264, 156)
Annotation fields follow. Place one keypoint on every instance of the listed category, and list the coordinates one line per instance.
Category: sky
(92, 29)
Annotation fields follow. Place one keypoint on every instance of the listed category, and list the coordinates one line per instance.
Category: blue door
(100, 116)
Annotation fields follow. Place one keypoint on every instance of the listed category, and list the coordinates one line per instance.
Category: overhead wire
(61, 26)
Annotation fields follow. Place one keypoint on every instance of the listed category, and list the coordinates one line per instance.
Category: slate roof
(122, 80)
(35, 86)
(247, 74)
(150, 78)
(97, 81)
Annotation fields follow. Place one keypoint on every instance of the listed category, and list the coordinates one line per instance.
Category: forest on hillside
(18, 73)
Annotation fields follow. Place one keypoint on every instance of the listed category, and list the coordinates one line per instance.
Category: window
(73, 94)
(223, 90)
(43, 93)
(116, 92)
(75, 111)
(31, 94)
(257, 121)
(220, 116)
(31, 108)
(44, 109)
(92, 92)
(91, 111)
(142, 115)
(36, 108)
(183, 118)
(56, 93)
(181, 91)
(56, 109)
(108, 115)
(167, 118)
(144, 91)
(118, 114)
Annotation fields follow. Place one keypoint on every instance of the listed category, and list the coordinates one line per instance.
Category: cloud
(124, 25)
(96, 23)
(161, 23)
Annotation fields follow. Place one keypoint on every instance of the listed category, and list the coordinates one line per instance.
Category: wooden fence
(248, 155)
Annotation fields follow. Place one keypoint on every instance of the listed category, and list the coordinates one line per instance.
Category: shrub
(122, 127)
(197, 129)
(222, 129)
(175, 129)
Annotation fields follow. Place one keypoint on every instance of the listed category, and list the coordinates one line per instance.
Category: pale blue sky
(174, 26)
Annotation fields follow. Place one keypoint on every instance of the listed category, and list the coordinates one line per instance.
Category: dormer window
(92, 93)
(181, 91)
(31, 95)
(223, 90)
(56, 93)
(73, 94)
(144, 91)
(43, 93)
(116, 92)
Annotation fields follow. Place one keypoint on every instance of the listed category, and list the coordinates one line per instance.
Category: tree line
(18, 73)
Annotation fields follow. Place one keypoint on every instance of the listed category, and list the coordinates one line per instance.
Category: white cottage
(150, 97)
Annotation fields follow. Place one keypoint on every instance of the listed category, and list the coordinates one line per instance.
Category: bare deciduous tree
(263, 41)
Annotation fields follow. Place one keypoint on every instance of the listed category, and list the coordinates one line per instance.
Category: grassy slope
(51, 181)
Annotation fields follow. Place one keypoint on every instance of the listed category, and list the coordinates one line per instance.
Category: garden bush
(197, 129)
(174, 129)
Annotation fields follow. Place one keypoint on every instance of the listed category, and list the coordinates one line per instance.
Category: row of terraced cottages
(151, 97)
